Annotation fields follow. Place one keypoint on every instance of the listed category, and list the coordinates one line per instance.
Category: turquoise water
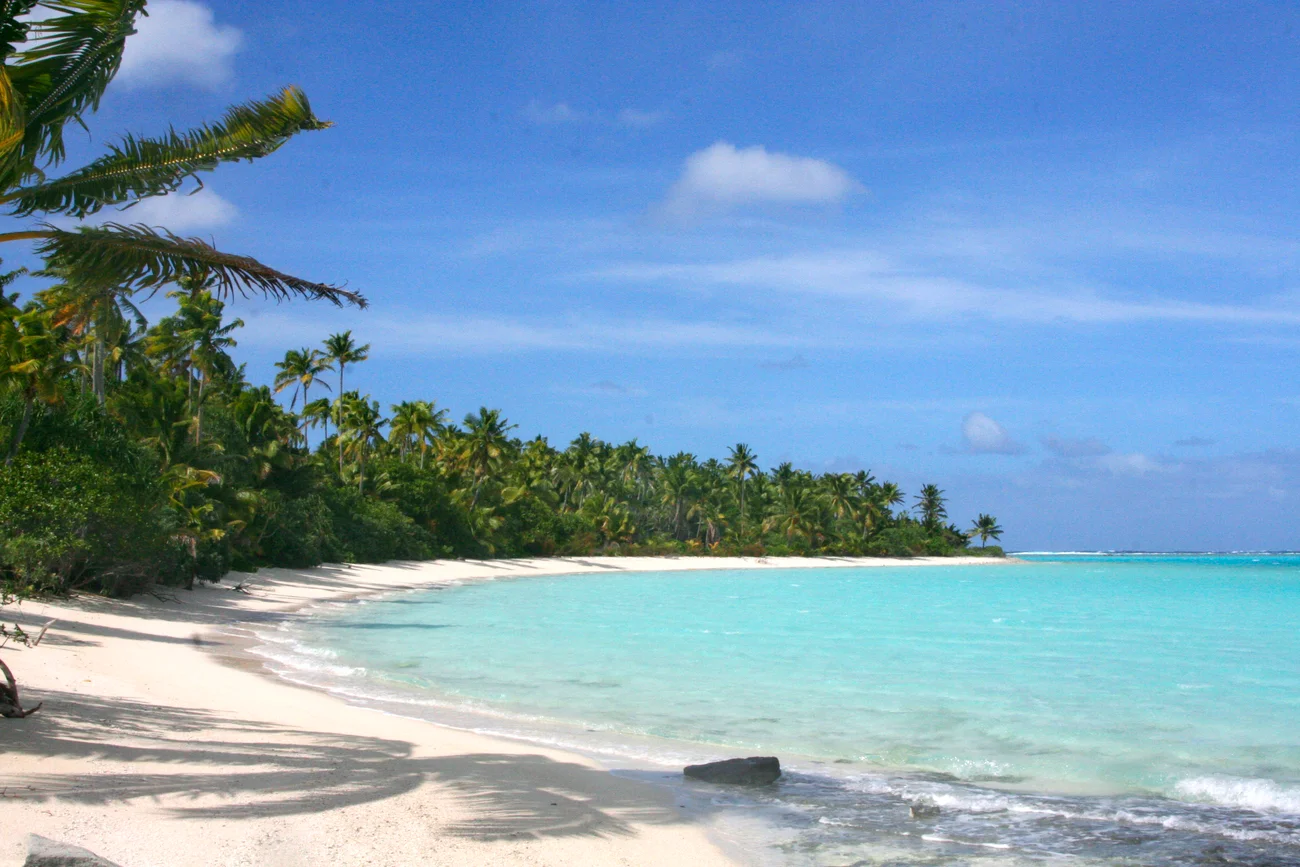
(1131, 707)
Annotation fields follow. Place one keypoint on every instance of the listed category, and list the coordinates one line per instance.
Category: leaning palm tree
(986, 527)
(58, 56)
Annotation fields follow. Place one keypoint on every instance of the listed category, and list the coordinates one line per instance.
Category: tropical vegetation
(138, 452)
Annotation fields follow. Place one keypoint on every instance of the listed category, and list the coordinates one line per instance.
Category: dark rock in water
(924, 810)
(753, 771)
(44, 852)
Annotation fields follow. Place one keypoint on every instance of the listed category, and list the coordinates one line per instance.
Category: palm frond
(146, 258)
(13, 30)
(12, 118)
(72, 57)
(145, 167)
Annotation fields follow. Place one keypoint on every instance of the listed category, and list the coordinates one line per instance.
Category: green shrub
(68, 520)
(365, 530)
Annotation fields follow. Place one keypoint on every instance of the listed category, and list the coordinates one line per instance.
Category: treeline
(140, 453)
(136, 453)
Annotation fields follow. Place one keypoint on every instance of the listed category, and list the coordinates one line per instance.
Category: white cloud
(180, 212)
(553, 114)
(179, 40)
(722, 177)
(984, 436)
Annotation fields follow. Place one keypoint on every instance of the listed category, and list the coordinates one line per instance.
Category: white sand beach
(162, 742)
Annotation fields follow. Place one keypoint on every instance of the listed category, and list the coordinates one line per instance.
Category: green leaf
(12, 30)
(136, 168)
(147, 258)
(71, 59)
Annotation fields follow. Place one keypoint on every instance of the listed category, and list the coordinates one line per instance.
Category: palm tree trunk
(338, 422)
(198, 415)
(21, 431)
(97, 368)
(742, 508)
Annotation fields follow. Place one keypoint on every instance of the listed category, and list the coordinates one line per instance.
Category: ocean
(1130, 709)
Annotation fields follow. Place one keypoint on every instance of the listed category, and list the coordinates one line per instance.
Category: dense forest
(137, 452)
(175, 466)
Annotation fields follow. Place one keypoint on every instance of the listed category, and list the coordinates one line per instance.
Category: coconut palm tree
(342, 350)
(795, 514)
(840, 490)
(931, 505)
(202, 315)
(890, 495)
(742, 463)
(300, 369)
(58, 58)
(986, 527)
(92, 311)
(361, 431)
(316, 413)
(486, 438)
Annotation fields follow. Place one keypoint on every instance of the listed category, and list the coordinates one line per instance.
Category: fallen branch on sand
(10, 705)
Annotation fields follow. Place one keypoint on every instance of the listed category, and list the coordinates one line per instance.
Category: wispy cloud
(869, 275)
(425, 335)
(722, 177)
(179, 41)
(562, 113)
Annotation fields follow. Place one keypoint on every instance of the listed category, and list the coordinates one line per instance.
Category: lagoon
(1143, 707)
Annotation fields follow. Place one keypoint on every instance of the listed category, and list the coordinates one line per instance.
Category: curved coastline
(161, 733)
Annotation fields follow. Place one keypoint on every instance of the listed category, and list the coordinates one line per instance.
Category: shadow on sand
(264, 770)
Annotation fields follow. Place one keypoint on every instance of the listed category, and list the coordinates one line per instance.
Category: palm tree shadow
(259, 770)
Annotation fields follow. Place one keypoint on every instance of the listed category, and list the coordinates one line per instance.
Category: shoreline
(164, 739)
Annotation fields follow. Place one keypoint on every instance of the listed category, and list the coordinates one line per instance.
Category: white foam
(1261, 795)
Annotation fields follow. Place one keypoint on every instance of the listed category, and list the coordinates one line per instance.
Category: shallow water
(1139, 710)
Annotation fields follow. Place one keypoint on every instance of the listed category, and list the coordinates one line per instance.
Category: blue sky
(1045, 257)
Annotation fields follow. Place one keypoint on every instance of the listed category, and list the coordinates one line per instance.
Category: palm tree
(795, 514)
(202, 315)
(93, 311)
(677, 485)
(316, 413)
(299, 369)
(890, 495)
(342, 350)
(31, 360)
(362, 429)
(485, 440)
(743, 463)
(986, 527)
(58, 59)
(931, 504)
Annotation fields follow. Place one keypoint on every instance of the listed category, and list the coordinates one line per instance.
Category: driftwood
(10, 706)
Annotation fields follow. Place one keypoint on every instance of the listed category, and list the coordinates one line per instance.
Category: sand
(162, 742)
